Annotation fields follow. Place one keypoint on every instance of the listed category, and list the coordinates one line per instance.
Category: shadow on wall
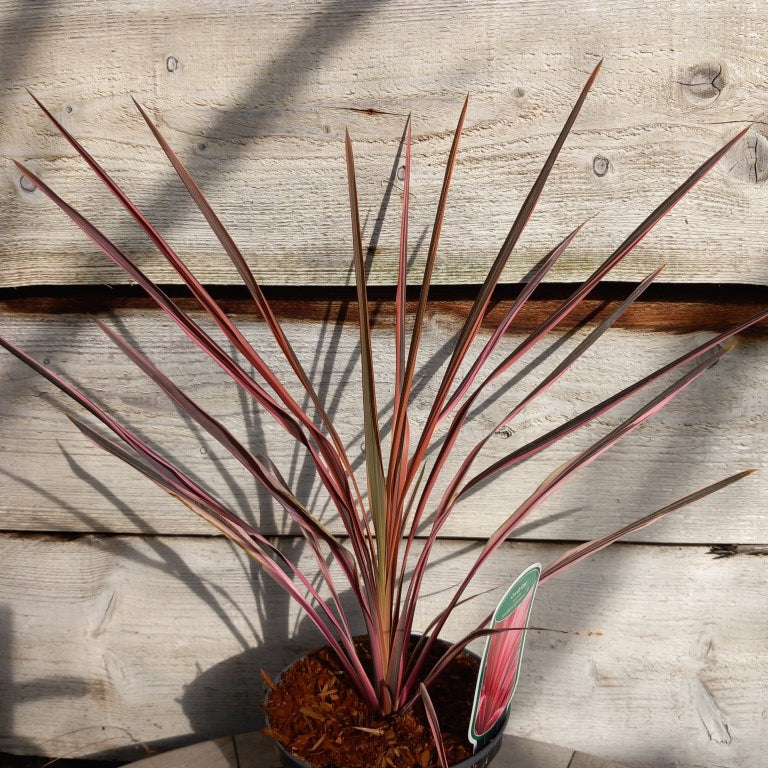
(231, 692)
(226, 698)
(14, 693)
(325, 31)
(223, 700)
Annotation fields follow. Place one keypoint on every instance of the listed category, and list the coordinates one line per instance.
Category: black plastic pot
(480, 759)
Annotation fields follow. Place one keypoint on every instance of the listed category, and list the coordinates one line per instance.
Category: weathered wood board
(52, 479)
(256, 95)
(124, 624)
(115, 642)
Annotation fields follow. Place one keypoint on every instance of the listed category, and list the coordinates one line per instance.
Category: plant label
(500, 664)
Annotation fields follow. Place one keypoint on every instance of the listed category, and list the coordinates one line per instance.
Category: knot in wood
(702, 83)
(748, 160)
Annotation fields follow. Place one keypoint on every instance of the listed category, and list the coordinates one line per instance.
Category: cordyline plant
(378, 563)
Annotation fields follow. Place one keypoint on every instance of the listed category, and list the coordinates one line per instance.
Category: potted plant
(399, 689)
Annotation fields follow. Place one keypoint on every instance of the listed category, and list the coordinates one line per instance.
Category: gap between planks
(717, 550)
(679, 311)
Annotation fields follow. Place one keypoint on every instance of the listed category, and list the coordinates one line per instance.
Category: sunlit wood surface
(125, 626)
(255, 96)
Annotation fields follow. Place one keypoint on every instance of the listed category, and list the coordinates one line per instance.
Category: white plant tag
(500, 665)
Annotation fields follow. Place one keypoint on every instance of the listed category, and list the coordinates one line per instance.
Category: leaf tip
(27, 173)
(731, 142)
(743, 132)
(595, 72)
(142, 111)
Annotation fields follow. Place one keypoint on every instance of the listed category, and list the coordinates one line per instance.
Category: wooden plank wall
(124, 624)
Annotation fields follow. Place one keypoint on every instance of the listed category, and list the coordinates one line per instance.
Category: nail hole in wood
(27, 184)
(600, 165)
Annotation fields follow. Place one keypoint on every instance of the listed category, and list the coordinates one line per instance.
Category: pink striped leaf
(476, 313)
(197, 289)
(577, 554)
(553, 436)
(331, 479)
(237, 258)
(556, 479)
(451, 494)
(434, 725)
(400, 416)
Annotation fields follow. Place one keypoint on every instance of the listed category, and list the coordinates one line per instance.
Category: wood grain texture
(118, 642)
(256, 95)
(51, 479)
